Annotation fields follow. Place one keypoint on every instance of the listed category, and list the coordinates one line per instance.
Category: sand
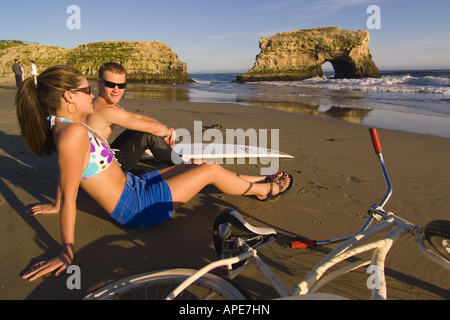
(337, 177)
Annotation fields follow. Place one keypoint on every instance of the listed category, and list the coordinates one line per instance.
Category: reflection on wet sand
(156, 92)
(354, 115)
(313, 106)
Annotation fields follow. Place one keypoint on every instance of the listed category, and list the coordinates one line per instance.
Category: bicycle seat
(231, 232)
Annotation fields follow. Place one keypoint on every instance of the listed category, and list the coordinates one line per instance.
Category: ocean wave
(203, 82)
(397, 84)
(411, 92)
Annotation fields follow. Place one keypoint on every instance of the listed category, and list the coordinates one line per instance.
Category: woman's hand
(48, 208)
(59, 263)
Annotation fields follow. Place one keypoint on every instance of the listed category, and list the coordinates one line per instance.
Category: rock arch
(343, 68)
(300, 54)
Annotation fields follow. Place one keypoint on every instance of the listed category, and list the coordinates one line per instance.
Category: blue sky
(223, 36)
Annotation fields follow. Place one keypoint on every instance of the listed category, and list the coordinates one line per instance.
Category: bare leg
(187, 184)
(169, 172)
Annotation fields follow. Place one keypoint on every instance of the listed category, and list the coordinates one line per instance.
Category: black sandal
(270, 195)
(268, 179)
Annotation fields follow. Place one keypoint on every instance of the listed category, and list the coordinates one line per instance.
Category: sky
(223, 36)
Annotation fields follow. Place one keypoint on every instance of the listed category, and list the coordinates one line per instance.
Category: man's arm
(135, 122)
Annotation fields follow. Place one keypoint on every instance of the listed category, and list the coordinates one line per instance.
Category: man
(142, 132)
(33, 71)
(18, 72)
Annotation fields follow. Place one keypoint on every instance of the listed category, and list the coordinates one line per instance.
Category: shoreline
(380, 118)
(359, 111)
(337, 177)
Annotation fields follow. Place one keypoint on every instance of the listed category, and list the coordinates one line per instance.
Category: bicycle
(237, 243)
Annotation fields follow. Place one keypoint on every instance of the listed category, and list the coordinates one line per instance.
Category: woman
(63, 98)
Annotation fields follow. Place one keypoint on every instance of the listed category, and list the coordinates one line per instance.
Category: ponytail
(34, 103)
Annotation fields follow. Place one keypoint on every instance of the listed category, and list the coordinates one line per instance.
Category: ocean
(412, 101)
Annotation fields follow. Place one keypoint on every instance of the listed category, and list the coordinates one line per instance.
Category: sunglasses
(86, 90)
(112, 85)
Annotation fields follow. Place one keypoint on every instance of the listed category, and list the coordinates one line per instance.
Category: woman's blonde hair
(34, 103)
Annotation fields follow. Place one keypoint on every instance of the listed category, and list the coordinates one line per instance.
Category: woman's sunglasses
(86, 90)
(112, 85)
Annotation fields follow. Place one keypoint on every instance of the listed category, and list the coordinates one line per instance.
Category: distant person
(33, 71)
(142, 132)
(18, 72)
(23, 70)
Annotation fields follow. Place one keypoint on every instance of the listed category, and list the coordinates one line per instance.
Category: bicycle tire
(437, 233)
(156, 285)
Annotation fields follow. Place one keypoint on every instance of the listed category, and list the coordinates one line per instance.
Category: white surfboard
(211, 151)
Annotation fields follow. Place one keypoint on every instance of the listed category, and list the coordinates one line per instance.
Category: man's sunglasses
(112, 85)
(86, 90)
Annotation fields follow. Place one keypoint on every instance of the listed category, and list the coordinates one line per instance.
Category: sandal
(268, 179)
(270, 195)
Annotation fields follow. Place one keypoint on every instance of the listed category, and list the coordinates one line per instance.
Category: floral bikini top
(101, 154)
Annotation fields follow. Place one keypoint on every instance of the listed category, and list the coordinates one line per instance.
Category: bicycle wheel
(157, 285)
(438, 234)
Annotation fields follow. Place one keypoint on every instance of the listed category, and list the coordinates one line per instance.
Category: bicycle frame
(314, 280)
(352, 246)
(381, 247)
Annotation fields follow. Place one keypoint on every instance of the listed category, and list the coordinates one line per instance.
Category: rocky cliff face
(151, 62)
(300, 54)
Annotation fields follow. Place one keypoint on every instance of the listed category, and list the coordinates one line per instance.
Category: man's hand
(170, 139)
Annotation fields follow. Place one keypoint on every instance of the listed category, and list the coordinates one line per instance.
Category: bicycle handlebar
(373, 213)
(375, 140)
(377, 147)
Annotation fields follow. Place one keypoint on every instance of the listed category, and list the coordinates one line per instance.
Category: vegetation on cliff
(148, 62)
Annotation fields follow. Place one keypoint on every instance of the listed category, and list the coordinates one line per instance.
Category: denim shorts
(145, 201)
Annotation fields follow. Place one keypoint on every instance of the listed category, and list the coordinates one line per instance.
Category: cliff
(300, 54)
(149, 62)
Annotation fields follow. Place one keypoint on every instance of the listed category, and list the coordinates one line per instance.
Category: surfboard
(211, 151)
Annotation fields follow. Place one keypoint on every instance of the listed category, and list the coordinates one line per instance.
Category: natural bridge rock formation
(300, 54)
(150, 62)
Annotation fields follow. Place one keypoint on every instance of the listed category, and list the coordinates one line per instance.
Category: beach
(337, 178)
